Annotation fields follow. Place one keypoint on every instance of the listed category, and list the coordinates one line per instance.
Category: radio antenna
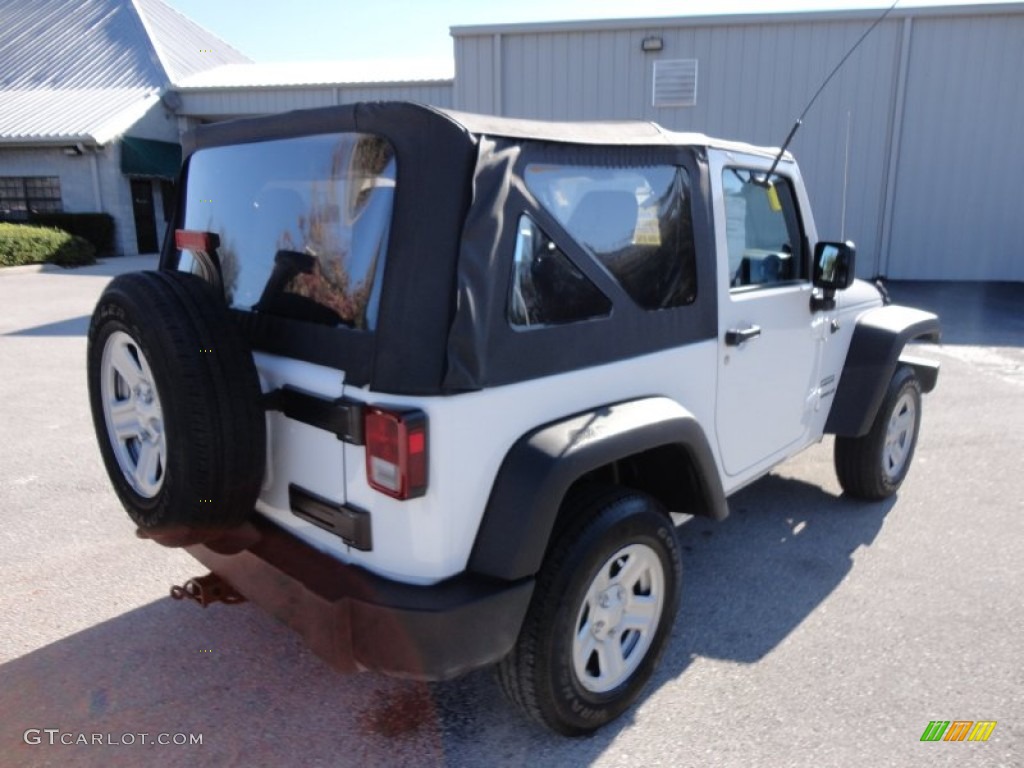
(814, 98)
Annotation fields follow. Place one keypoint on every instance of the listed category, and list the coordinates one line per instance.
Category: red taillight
(396, 452)
(196, 241)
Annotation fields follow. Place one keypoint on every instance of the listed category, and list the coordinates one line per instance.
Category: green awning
(150, 159)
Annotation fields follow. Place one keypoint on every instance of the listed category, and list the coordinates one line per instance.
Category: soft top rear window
(303, 223)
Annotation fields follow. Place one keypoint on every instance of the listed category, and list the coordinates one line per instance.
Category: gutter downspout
(96, 192)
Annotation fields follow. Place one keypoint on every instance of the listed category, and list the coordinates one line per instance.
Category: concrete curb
(102, 266)
(28, 268)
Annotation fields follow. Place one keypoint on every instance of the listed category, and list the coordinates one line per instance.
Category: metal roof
(90, 115)
(87, 70)
(302, 73)
(184, 47)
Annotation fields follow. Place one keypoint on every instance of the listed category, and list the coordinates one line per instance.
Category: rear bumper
(356, 620)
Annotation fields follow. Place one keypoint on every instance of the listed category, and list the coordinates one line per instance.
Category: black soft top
(399, 115)
(440, 327)
(391, 117)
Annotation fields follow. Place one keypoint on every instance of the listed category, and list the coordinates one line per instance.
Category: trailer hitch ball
(207, 589)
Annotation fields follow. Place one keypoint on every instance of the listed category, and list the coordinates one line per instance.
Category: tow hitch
(207, 589)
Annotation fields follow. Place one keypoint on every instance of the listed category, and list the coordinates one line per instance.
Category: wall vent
(675, 83)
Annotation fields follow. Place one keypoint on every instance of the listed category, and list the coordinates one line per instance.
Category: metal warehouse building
(931, 108)
(914, 150)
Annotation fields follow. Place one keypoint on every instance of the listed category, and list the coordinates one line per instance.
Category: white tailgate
(298, 453)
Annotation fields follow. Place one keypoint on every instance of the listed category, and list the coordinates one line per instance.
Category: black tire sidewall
(632, 519)
(172, 317)
(115, 312)
(859, 460)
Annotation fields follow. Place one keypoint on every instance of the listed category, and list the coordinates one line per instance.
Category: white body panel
(766, 386)
(296, 452)
(428, 539)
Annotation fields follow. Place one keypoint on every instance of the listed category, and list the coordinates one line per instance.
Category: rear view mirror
(833, 271)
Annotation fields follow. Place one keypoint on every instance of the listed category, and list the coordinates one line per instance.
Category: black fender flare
(875, 350)
(541, 466)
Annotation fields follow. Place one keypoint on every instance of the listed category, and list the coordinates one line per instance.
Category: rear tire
(874, 466)
(176, 406)
(604, 604)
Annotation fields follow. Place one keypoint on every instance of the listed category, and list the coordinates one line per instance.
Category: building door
(145, 217)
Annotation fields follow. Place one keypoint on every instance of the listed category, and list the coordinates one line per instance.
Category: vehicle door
(769, 340)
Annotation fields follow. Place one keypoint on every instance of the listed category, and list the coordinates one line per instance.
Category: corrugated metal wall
(958, 209)
(241, 101)
(929, 106)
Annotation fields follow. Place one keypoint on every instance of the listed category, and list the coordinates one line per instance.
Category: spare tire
(176, 405)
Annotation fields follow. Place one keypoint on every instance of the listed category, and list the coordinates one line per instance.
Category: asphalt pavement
(814, 630)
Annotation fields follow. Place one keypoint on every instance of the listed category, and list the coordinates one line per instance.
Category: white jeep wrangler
(425, 385)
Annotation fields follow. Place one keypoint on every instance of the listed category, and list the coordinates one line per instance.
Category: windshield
(303, 223)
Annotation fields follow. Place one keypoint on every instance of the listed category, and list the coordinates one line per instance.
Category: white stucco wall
(157, 124)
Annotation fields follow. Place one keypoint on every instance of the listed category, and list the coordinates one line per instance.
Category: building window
(22, 195)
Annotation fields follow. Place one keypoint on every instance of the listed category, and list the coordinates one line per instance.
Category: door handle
(736, 336)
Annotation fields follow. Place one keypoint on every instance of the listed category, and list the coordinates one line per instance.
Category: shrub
(97, 228)
(21, 244)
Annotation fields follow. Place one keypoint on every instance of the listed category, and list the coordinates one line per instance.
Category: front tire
(604, 604)
(874, 466)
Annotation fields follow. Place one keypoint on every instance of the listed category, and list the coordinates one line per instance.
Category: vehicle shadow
(259, 697)
(750, 580)
(73, 326)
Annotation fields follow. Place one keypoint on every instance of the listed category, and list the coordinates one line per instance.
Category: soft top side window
(763, 231)
(303, 223)
(547, 288)
(636, 221)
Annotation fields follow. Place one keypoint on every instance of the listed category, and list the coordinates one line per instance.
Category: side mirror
(833, 271)
(834, 266)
